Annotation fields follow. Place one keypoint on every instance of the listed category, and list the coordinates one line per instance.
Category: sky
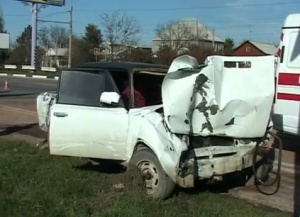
(258, 20)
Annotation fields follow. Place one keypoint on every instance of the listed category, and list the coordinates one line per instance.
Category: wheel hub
(150, 174)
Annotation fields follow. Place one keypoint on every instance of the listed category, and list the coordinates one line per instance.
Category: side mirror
(111, 98)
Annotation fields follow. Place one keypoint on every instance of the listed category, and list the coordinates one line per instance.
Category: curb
(29, 76)
(29, 67)
(39, 76)
(19, 75)
(5, 91)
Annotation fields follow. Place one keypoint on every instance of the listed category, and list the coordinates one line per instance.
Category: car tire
(161, 186)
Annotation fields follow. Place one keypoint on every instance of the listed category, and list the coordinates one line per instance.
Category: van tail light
(279, 53)
(275, 95)
(282, 54)
(281, 36)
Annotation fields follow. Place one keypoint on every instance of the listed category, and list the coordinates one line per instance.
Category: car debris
(200, 122)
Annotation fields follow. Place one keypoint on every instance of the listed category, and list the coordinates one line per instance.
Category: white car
(197, 122)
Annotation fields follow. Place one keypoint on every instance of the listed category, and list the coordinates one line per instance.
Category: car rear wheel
(158, 184)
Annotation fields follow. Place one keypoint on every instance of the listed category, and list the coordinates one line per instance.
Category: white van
(287, 98)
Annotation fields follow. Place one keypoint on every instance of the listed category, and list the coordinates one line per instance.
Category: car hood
(228, 96)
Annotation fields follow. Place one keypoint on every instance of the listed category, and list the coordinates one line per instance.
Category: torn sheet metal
(182, 62)
(216, 100)
(44, 102)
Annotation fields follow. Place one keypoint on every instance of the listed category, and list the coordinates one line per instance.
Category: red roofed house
(252, 48)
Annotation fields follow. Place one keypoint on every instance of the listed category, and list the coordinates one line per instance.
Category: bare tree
(53, 37)
(180, 34)
(44, 38)
(1, 20)
(120, 29)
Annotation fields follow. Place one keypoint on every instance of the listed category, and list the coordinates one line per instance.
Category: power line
(53, 14)
(230, 27)
(193, 8)
(234, 34)
(167, 9)
(218, 27)
(16, 15)
(28, 15)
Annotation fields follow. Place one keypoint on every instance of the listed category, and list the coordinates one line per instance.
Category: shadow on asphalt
(297, 188)
(25, 129)
(16, 94)
(292, 143)
(15, 128)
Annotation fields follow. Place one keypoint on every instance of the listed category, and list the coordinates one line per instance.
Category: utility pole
(250, 32)
(34, 33)
(197, 29)
(70, 37)
(213, 39)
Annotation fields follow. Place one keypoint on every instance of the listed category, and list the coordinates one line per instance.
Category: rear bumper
(220, 160)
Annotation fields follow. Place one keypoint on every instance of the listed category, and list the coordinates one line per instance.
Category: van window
(293, 57)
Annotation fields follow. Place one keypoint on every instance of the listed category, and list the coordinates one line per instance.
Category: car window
(110, 86)
(80, 88)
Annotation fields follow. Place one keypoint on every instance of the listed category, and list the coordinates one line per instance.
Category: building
(56, 57)
(252, 48)
(181, 34)
(117, 51)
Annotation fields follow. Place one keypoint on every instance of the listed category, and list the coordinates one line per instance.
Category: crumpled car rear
(224, 110)
(217, 100)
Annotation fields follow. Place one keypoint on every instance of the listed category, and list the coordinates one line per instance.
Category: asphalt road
(18, 104)
(19, 86)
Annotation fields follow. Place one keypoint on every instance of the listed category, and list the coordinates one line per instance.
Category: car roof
(128, 66)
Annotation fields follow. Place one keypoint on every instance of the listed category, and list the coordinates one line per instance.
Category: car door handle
(60, 114)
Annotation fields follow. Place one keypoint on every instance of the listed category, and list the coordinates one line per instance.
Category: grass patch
(33, 183)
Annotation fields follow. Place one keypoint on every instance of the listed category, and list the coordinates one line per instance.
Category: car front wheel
(158, 184)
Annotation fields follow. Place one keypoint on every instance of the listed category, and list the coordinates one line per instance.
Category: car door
(80, 125)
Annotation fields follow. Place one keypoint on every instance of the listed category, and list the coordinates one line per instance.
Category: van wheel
(158, 184)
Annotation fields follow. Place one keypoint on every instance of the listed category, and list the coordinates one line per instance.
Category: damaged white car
(193, 122)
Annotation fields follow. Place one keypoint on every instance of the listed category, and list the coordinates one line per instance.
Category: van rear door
(287, 101)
